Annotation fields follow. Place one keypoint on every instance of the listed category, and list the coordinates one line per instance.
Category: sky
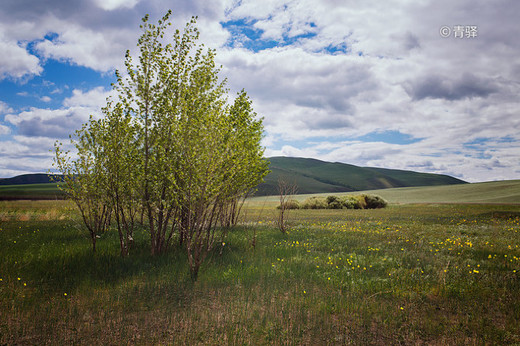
(424, 85)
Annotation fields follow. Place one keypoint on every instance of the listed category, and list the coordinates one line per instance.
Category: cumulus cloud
(466, 86)
(110, 5)
(94, 98)
(4, 108)
(15, 61)
(323, 75)
(56, 123)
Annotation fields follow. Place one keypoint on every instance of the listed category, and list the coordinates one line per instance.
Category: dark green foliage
(290, 204)
(350, 202)
(346, 202)
(314, 203)
(333, 202)
(374, 202)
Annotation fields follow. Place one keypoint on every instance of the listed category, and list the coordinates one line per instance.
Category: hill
(315, 176)
(310, 175)
(37, 178)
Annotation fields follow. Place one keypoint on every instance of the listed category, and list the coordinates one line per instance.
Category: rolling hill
(310, 175)
(315, 176)
(37, 178)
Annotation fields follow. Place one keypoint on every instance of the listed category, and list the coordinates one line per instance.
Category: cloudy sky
(425, 85)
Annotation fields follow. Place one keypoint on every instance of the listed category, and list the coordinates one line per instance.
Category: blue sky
(360, 82)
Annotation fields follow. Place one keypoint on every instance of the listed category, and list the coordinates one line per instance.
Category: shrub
(374, 202)
(350, 202)
(333, 202)
(291, 204)
(314, 203)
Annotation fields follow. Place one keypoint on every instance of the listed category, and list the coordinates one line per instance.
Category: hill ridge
(317, 176)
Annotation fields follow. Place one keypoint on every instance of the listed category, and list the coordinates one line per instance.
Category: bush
(345, 202)
(314, 203)
(350, 202)
(333, 202)
(374, 202)
(291, 204)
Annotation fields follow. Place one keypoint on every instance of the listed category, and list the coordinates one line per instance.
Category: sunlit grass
(441, 274)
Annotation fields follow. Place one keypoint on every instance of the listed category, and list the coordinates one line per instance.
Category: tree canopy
(171, 152)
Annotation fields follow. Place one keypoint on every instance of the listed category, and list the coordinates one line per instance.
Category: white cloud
(352, 68)
(4, 130)
(110, 5)
(94, 98)
(15, 61)
(101, 51)
(45, 99)
(52, 123)
(4, 108)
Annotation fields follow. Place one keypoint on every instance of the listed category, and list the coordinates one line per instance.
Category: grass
(407, 274)
(30, 191)
(314, 176)
(496, 192)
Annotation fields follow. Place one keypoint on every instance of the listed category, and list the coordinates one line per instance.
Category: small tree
(170, 146)
(84, 180)
(285, 191)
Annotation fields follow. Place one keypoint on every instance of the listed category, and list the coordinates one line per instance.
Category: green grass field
(30, 191)
(498, 192)
(407, 274)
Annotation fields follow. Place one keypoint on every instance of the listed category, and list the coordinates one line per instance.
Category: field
(406, 274)
(30, 191)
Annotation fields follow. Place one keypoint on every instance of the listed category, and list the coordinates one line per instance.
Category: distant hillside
(310, 175)
(315, 176)
(38, 178)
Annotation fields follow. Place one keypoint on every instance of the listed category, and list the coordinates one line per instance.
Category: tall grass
(437, 274)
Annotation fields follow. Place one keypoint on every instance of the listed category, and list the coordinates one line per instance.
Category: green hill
(310, 175)
(36, 178)
(315, 176)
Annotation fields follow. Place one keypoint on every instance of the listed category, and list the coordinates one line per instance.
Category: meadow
(406, 274)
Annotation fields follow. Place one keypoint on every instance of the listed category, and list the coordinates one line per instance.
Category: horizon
(429, 87)
(307, 158)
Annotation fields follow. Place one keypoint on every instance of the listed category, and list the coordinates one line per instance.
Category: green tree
(172, 148)
(84, 179)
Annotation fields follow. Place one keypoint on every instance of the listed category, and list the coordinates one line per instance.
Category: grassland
(47, 191)
(315, 176)
(407, 274)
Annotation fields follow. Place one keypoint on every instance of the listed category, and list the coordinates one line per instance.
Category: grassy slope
(496, 192)
(30, 191)
(489, 192)
(315, 176)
